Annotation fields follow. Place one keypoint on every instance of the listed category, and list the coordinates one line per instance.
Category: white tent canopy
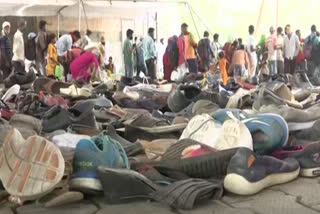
(70, 8)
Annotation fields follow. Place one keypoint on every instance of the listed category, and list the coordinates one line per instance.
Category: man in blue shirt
(149, 50)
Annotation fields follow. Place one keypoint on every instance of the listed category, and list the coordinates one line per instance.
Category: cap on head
(6, 24)
(32, 35)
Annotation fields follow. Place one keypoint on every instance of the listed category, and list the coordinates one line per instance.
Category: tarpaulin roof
(93, 8)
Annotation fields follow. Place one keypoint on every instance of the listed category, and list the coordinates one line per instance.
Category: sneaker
(248, 174)
(297, 119)
(29, 168)
(269, 131)
(204, 129)
(308, 157)
(234, 134)
(182, 96)
(204, 107)
(311, 134)
(13, 91)
(275, 93)
(60, 118)
(89, 154)
(239, 99)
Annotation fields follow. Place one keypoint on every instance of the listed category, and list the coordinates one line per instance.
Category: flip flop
(121, 185)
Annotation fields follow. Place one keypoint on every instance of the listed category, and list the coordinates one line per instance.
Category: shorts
(238, 70)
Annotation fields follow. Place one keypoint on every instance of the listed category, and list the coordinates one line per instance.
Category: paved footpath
(298, 197)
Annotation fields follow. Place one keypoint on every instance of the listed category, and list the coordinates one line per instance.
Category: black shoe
(60, 118)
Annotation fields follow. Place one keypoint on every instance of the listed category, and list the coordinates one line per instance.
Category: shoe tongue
(99, 143)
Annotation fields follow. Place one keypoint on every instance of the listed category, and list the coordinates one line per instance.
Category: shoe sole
(313, 172)
(87, 185)
(301, 126)
(29, 169)
(237, 184)
(213, 165)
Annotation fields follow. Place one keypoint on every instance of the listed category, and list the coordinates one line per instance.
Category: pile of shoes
(176, 144)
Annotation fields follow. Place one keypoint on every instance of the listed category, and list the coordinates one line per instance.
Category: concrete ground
(298, 197)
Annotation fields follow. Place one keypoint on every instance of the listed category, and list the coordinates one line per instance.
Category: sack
(58, 72)
(178, 75)
(308, 49)
(30, 49)
(173, 51)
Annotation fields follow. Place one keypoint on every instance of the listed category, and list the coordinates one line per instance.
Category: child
(52, 56)
(223, 67)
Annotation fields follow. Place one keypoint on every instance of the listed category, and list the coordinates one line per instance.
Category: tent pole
(79, 21)
(201, 20)
(193, 21)
(277, 14)
(156, 19)
(259, 17)
(58, 25)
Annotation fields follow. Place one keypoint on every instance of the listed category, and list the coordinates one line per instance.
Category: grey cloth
(291, 114)
(41, 49)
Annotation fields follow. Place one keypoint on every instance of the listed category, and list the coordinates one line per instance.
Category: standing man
(150, 55)
(41, 47)
(161, 49)
(205, 52)
(5, 50)
(128, 49)
(252, 52)
(85, 40)
(190, 49)
(18, 48)
(280, 59)
(102, 49)
(291, 50)
(216, 46)
(141, 63)
(64, 46)
(271, 46)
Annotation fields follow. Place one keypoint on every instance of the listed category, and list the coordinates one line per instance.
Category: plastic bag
(58, 73)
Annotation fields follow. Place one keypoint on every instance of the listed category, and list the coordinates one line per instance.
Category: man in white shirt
(271, 46)
(18, 48)
(291, 48)
(280, 59)
(252, 52)
(215, 47)
(64, 45)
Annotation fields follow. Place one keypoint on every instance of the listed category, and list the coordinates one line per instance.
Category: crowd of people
(281, 53)
(47, 53)
(238, 118)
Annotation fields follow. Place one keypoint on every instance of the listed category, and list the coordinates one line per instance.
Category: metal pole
(79, 21)
(156, 19)
(201, 20)
(58, 25)
(277, 13)
(259, 17)
(193, 21)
